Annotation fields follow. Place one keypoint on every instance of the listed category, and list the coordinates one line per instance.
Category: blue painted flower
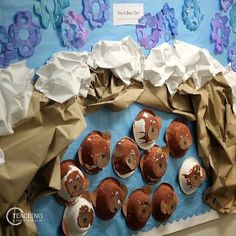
(191, 14)
(47, 14)
(232, 14)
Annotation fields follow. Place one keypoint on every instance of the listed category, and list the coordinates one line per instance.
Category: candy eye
(70, 181)
(77, 176)
(152, 122)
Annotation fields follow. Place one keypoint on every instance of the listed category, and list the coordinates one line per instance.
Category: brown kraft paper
(211, 108)
(33, 151)
(32, 154)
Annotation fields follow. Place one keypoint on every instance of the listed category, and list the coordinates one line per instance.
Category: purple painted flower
(220, 32)
(96, 12)
(23, 22)
(170, 23)
(145, 23)
(225, 4)
(8, 51)
(74, 34)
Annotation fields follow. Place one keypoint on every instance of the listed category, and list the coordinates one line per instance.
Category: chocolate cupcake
(108, 198)
(191, 175)
(137, 208)
(153, 164)
(94, 152)
(73, 183)
(146, 129)
(77, 219)
(126, 157)
(164, 202)
(178, 138)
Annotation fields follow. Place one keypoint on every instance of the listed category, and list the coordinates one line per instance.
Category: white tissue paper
(65, 75)
(174, 64)
(15, 93)
(124, 58)
(2, 157)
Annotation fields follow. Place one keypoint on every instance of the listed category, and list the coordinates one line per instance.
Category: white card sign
(127, 13)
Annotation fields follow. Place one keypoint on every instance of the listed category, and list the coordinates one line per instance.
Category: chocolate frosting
(94, 152)
(138, 209)
(178, 138)
(154, 164)
(109, 199)
(126, 156)
(164, 202)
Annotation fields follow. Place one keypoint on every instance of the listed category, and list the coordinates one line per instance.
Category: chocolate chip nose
(75, 187)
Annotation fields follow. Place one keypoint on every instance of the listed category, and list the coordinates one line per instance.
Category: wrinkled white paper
(15, 93)
(65, 75)
(124, 58)
(2, 157)
(174, 64)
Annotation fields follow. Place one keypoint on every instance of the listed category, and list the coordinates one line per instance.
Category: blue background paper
(119, 124)
(51, 40)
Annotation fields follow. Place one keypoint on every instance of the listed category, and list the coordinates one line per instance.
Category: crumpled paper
(33, 152)
(50, 127)
(15, 93)
(230, 77)
(174, 64)
(2, 157)
(124, 58)
(210, 106)
(65, 75)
